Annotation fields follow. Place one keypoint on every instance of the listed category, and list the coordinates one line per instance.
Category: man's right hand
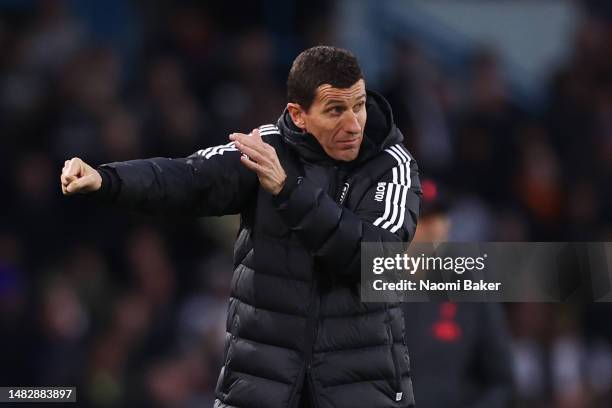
(79, 177)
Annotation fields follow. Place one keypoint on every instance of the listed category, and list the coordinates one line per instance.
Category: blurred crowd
(131, 309)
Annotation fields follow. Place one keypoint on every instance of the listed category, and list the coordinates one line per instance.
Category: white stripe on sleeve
(396, 204)
(397, 190)
(217, 150)
(400, 222)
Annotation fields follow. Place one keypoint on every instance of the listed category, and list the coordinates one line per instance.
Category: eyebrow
(341, 102)
(334, 101)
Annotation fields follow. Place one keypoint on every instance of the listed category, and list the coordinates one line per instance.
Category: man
(463, 348)
(309, 190)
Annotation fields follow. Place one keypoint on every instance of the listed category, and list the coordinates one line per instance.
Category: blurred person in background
(331, 174)
(462, 348)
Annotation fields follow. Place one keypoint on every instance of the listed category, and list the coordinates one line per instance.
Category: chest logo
(344, 192)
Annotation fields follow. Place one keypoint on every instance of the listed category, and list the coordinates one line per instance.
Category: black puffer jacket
(294, 313)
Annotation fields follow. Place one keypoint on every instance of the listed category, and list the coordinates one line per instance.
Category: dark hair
(317, 66)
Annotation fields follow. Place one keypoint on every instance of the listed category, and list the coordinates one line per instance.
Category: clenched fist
(79, 177)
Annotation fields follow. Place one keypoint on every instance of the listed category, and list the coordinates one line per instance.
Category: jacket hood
(380, 132)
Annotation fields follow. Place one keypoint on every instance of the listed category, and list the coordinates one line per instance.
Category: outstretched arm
(209, 182)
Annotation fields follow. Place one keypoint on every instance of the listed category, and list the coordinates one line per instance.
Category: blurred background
(507, 104)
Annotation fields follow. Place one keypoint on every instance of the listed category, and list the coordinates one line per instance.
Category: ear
(297, 115)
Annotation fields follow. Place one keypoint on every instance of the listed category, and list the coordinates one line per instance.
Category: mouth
(349, 143)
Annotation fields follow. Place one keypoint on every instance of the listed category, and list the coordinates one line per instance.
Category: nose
(352, 124)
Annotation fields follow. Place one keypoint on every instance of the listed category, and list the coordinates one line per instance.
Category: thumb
(74, 186)
(80, 184)
(70, 179)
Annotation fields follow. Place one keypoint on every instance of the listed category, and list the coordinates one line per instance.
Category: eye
(336, 110)
(358, 107)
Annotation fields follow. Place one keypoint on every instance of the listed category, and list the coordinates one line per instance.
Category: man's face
(336, 119)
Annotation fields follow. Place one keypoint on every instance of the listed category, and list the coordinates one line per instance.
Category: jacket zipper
(295, 389)
(311, 334)
(313, 321)
(315, 397)
(313, 310)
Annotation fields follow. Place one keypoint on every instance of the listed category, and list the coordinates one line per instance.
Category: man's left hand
(261, 157)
